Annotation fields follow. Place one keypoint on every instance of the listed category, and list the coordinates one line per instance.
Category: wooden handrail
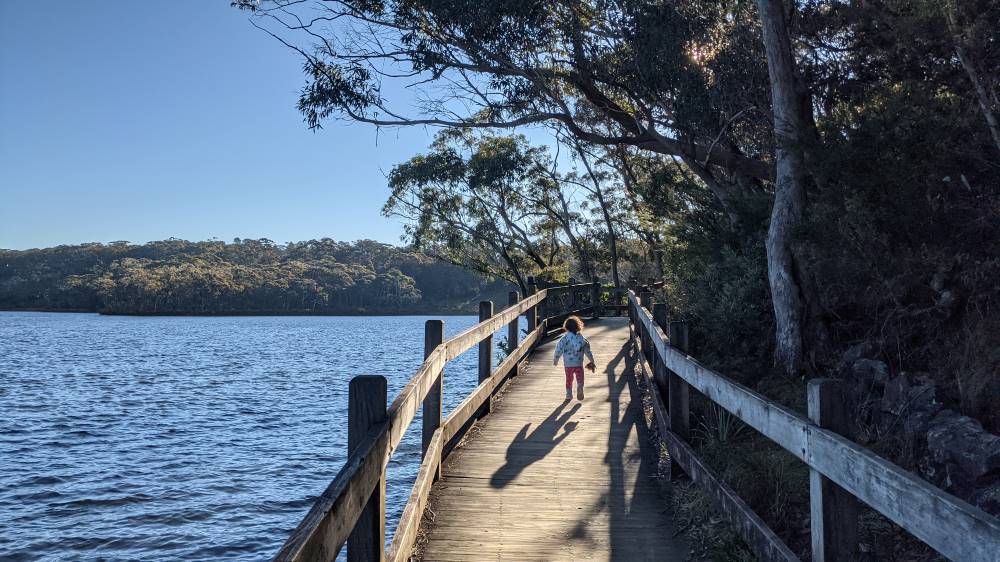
(325, 528)
(948, 524)
(467, 339)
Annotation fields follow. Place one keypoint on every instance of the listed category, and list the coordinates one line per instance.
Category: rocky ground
(901, 416)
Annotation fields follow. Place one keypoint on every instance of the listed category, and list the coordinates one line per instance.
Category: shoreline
(232, 314)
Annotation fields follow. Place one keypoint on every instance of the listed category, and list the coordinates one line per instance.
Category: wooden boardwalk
(549, 479)
(543, 478)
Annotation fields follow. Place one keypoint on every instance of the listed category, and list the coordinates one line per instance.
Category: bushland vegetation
(243, 277)
(817, 180)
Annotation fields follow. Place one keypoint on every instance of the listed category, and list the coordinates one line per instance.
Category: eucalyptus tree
(465, 202)
(681, 79)
(495, 63)
(750, 96)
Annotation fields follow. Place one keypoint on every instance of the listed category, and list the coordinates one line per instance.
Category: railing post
(486, 353)
(513, 330)
(573, 300)
(532, 313)
(834, 512)
(659, 370)
(646, 301)
(543, 307)
(433, 336)
(629, 309)
(595, 297)
(677, 391)
(366, 408)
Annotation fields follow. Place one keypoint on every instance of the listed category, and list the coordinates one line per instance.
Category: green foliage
(246, 276)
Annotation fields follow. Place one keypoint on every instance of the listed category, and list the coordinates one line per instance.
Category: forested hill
(243, 277)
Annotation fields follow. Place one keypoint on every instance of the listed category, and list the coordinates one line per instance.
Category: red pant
(570, 371)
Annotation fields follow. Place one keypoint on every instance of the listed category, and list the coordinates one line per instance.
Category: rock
(895, 396)
(988, 498)
(920, 408)
(857, 351)
(962, 456)
(871, 372)
(920, 377)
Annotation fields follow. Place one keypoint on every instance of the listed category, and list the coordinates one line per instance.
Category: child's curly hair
(573, 324)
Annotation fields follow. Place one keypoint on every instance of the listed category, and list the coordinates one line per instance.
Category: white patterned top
(572, 347)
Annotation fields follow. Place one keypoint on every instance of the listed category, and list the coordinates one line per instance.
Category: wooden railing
(351, 510)
(841, 471)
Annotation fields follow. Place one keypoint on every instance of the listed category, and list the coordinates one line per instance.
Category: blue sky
(141, 120)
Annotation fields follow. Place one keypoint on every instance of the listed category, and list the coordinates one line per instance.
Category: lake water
(188, 438)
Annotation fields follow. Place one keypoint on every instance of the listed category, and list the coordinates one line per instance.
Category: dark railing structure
(351, 510)
(841, 471)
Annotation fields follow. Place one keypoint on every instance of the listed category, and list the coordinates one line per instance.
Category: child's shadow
(527, 448)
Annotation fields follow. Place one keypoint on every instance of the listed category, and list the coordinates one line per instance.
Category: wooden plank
(461, 414)
(471, 337)
(561, 289)
(325, 528)
(409, 522)
(404, 408)
(678, 392)
(764, 542)
(951, 526)
(554, 479)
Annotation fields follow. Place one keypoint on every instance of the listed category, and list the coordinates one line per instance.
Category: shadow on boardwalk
(548, 479)
(527, 449)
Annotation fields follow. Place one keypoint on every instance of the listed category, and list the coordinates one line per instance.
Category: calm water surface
(188, 438)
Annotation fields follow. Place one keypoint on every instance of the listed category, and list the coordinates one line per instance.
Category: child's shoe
(569, 394)
(579, 392)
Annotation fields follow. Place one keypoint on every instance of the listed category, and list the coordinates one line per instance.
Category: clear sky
(141, 120)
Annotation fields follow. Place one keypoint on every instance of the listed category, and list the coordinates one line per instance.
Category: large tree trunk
(789, 188)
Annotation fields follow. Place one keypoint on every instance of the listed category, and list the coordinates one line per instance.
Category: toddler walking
(572, 347)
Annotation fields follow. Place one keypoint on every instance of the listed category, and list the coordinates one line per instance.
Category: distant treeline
(243, 277)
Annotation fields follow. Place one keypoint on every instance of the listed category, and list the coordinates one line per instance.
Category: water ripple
(187, 438)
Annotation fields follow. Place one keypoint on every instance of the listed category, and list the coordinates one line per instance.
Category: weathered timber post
(531, 315)
(486, 353)
(629, 310)
(595, 297)
(433, 336)
(573, 300)
(646, 301)
(834, 512)
(543, 307)
(513, 328)
(659, 370)
(677, 391)
(366, 409)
